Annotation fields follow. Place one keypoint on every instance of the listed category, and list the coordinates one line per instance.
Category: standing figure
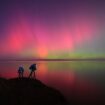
(32, 69)
(20, 72)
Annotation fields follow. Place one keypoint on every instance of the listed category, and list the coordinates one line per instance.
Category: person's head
(32, 67)
(21, 66)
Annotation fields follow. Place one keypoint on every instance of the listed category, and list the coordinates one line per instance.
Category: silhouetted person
(32, 69)
(20, 72)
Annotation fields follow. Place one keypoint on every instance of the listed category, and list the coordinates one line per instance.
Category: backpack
(33, 67)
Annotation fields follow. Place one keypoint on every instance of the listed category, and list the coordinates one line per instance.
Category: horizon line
(62, 59)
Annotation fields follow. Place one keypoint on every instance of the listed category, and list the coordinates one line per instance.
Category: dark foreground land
(27, 91)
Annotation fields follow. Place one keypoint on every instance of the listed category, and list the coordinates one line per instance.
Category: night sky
(52, 29)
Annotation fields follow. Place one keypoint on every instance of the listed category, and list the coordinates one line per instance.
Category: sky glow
(52, 29)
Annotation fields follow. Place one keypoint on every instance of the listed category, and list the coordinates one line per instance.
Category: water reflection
(80, 81)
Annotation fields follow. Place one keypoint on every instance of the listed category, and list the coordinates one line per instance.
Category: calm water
(76, 80)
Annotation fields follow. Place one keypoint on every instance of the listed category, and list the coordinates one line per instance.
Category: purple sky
(52, 28)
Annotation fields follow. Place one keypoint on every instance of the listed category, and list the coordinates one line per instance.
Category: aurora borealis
(52, 29)
(65, 38)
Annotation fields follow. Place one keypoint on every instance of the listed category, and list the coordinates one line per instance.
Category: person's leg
(19, 75)
(22, 74)
(30, 74)
(34, 75)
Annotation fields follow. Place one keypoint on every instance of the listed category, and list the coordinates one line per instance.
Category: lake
(80, 81)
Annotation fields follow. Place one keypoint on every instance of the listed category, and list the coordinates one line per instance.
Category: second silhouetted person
(32, 71)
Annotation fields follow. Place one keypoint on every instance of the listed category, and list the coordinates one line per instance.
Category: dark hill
(27, 91)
